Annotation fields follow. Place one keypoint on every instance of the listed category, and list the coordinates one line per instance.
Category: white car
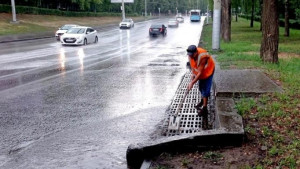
(79, 36)
(63, 30)
(173, 23)
(180, 19)
(126, 23)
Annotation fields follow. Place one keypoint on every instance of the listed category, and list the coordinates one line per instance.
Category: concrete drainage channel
(222, 127)
(190, 122)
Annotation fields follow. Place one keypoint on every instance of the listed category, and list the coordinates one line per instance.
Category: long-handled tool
(174, 121)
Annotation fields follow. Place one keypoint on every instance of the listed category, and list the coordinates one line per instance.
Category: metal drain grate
(190, 122)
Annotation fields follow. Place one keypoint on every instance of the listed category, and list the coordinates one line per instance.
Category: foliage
(45, 11)
(292, 22)
(166, 6)
(213, 156)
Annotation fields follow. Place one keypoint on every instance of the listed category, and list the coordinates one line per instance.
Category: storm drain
(190, 122)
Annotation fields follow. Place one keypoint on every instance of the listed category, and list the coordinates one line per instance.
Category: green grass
(22, 28)
(276, 113)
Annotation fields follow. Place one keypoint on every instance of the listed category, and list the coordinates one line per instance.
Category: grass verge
(41, 23)
(271, 120)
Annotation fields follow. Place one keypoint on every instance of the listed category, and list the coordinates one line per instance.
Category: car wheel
(96, 39)
(85, 42)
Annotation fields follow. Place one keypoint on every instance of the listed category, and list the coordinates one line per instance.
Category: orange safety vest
(208, 68)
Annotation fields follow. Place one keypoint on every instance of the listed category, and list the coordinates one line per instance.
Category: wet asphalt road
(80, 107)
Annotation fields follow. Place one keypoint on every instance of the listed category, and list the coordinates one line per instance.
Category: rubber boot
(203, 111)
(199, 105)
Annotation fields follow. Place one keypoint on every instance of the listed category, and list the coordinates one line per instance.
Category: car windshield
(194, 13)
(66, 27)
(156, 26)
(76, 31)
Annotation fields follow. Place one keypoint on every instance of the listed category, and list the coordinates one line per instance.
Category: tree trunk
(226, 20)
(252, 14)
(286, 20)
(269, 44)
(236, 14)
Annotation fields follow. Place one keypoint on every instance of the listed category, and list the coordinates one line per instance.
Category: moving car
(63, 30)
(126, 23)
(173, 23)
(79, 36)
(180, 19)
(157, 29)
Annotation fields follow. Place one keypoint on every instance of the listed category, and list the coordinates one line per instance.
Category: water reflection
(62, 60)
(81, 56)
(125, 44)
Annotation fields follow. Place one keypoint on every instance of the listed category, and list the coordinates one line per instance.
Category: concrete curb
(137, 153)
(24, 37)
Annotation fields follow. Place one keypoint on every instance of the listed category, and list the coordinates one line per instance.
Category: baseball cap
(191, 50)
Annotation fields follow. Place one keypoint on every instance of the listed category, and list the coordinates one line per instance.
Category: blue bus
(195, 15)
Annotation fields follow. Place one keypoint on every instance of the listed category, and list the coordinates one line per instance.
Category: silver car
(63, 30)
(126, 23)
(79, 36)
(173, 23)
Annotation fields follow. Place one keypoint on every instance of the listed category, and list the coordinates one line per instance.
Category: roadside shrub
(46, 11)
(293, 22)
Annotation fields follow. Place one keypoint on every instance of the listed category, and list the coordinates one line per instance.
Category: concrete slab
(243, 82)
(137, 153)
(227, 117)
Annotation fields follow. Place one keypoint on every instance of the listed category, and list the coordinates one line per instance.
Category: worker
(203, 67)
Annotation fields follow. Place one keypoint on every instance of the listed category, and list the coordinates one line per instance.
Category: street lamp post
(216, 25)
(13, 11)
(158, 12)
(145, 8)
(207, 14)
(123, 10)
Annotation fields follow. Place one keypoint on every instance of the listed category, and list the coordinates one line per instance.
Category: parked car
(63, 30)
(173, 23)
(180, 19)
(126, 23)
(157, 29)
(79, 36)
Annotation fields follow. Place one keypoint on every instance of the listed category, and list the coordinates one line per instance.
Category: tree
(235, 5)
(226, 20)
(252, 13)
(286, 19)
(269, 44)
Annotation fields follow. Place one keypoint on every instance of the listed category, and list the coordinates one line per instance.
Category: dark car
(157, 29)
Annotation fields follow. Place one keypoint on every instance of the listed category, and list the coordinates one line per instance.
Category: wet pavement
(75, 107)
(80, 107)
